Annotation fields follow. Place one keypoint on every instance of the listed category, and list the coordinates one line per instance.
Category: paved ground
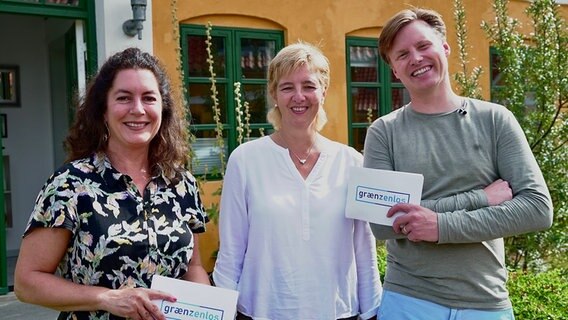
(12, 309)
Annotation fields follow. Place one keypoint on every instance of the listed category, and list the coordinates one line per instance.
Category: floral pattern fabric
(120, 237)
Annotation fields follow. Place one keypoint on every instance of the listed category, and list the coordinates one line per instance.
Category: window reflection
(197, 56)
(65, 2)
(206, 153)
(359, 138)
(201, 103)
(255, 56)
(255, 95)
(363, 64)
(400, 97)
(364, 104)
(74, 3)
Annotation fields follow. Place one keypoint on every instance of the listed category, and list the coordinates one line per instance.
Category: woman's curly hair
(169, 149)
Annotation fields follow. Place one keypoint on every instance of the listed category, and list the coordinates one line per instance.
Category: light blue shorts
(395, 306)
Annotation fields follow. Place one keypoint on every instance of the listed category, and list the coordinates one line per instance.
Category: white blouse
(285, 243)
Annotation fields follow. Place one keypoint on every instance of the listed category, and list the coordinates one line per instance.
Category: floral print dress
(120, 238)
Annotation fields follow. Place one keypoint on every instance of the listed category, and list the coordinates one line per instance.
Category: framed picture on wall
(4, 125)
(9, 86)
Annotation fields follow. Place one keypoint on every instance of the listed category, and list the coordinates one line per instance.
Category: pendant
(302, 161)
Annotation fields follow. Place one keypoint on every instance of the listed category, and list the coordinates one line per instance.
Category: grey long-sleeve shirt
(459, 153)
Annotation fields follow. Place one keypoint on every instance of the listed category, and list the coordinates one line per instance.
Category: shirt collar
(104, 168)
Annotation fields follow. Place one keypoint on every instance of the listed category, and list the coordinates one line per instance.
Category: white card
(195, 301)
(372, 192)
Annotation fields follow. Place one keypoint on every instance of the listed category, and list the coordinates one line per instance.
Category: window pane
(364, 103)
(201, 103)
(496, 75)
(255, 95)
(64, 2)
(206, 154)
(359, 138)
(363, 64)
(197, 56)
(74, 3)
(394, 79)
(255, 57)
(400, 97)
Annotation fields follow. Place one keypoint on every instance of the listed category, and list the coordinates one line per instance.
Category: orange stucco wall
(324, 21)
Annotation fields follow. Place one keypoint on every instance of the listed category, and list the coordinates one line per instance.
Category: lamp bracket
(134, 26)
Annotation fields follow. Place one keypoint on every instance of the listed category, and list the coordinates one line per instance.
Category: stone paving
(13, 309)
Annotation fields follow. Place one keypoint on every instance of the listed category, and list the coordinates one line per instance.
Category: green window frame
(372, 88)
(54, 8)
(239, 55)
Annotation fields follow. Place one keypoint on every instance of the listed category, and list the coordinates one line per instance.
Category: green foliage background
(535, 296)
(534, 86)
(539, 296)
(535, 69)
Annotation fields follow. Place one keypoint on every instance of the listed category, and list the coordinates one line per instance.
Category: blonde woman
(286, 245)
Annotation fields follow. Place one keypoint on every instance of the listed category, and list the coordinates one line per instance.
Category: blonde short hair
(289, 59)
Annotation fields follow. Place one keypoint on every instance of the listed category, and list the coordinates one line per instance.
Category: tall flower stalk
(219, 141)
(242, 111)
(369, 114)
(247, 120)
(239, 112)
(184, 111)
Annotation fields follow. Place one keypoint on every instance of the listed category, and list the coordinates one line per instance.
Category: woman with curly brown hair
(122, 209)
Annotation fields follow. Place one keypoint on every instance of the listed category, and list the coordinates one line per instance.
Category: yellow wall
(323, 21)
(209, 241)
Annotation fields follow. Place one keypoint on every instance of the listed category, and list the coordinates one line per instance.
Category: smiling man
(447, 262)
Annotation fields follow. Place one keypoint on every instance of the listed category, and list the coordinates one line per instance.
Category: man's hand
(418, 224)
(498, 192)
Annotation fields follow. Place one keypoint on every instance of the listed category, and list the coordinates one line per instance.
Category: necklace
(302, 161)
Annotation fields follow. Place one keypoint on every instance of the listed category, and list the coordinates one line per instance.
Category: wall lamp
(134, 26)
